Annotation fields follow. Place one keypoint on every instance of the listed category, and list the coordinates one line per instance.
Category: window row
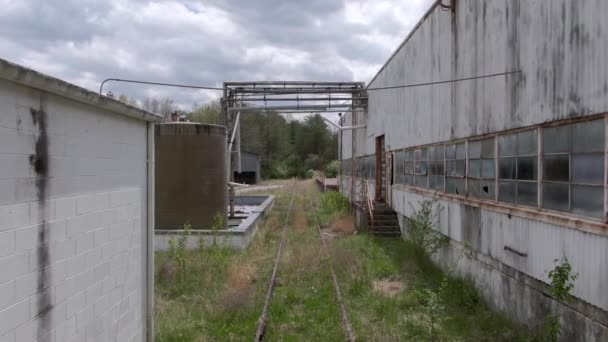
(570, 160)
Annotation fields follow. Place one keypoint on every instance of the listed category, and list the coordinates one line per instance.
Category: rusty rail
(348, 329)
(261, 324)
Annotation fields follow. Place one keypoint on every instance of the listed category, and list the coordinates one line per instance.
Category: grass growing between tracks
(217, 294)
(391, 288)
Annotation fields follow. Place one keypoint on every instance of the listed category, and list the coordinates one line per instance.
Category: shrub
(331, 169)
(334, 203)
(421, 231)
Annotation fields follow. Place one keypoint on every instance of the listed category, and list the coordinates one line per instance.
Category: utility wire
(446, 81)
(157, 83)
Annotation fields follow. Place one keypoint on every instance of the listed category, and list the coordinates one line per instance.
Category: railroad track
(348, 329)
(261, 323)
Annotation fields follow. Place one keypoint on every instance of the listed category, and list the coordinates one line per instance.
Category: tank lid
(188, 128)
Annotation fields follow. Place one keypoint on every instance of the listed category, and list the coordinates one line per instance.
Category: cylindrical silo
(191, 185)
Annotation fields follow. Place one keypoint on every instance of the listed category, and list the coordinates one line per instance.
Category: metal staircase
(383, 221)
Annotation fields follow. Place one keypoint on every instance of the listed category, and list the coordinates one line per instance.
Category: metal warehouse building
(497, 109)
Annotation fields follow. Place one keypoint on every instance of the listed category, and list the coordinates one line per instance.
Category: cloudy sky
(203, 42)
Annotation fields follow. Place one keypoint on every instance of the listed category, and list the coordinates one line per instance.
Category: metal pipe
(325, 83)
(325, 99)
(296, 111)
(156, 83)
(150, 235)
(299, 108)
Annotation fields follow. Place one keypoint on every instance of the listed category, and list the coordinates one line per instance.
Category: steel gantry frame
(286, 97)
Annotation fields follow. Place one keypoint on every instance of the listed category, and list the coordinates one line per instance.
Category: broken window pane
(588, 200)
(556, 139)
(487, 168)
(527, 193)
(556, 167)
(527, 142)
(526, 168)
(555, 196)
(588, 168)
(475, 150)
(506, 145)
(506, 168)
(588, 136)
(475, 168)
(486, 190)
(506, 192)
(455, 186)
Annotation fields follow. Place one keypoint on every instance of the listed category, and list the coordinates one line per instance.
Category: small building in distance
(250, 169)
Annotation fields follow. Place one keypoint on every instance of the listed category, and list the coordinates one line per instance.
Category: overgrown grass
(220, 293)
(430, 297)
(331, 206)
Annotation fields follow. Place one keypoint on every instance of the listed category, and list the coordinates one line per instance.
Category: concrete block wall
(88, 274)
(73, 184)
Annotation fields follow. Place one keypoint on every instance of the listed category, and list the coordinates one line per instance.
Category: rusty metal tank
(190, 175)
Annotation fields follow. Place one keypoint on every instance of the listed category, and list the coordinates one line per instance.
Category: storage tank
(191, 185)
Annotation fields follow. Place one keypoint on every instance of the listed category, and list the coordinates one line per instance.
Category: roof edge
(31, 78)
(407, 38)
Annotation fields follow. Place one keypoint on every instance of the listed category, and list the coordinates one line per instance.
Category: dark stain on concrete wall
(471, 226)
(40, 163)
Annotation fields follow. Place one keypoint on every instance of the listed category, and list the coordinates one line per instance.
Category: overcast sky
(203, 42)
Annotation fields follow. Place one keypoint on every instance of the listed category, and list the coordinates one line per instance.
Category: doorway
(380, 169)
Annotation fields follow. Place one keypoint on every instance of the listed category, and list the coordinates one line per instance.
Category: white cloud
(203, 42)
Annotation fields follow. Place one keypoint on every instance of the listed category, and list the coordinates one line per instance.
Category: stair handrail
(370, 205)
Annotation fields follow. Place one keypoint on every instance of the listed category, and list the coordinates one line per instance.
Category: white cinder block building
(75, 188)
(497, 109)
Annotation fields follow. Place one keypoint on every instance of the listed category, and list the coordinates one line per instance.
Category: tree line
(288, 146)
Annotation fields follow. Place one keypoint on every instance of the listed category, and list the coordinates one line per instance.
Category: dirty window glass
(482, 167)
(517, 160)
(574, 168)
(556, 167)
(588, 136)
(555, 196)
(588, 168)
(506, 168)
(506, 191)
(556, 139)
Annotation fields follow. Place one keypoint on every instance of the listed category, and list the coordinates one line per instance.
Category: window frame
(481, 178)
(516, 156)
(570, 183)
(540, 159)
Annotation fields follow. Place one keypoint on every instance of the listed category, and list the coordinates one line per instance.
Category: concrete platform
(249, 213)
